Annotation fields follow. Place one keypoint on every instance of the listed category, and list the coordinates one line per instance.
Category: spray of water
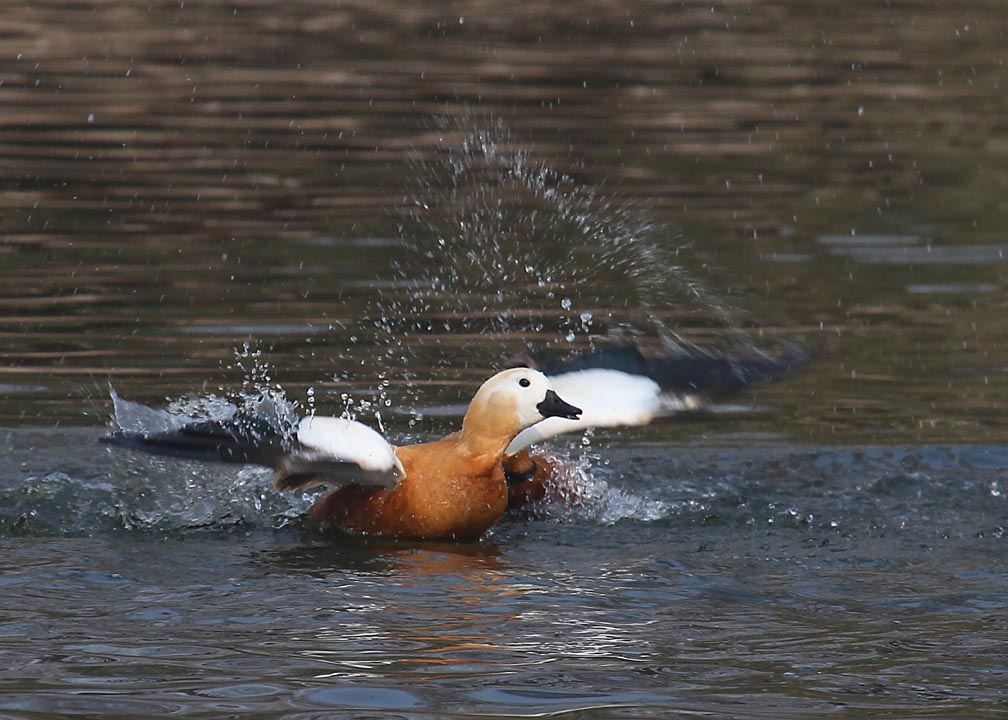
(505, 248)
(500, 250)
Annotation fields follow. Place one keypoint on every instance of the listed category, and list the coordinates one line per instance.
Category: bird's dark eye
(524, 382)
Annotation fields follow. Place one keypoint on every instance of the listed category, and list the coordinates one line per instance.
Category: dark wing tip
(222, 441)
(696, 372)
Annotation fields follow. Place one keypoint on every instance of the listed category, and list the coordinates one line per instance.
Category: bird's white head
(513, 400)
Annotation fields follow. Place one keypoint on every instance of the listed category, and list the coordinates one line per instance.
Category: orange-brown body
(454, 488)
(451, 491)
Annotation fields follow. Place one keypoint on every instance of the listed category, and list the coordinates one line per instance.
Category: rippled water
(776, 581)
(369, 208)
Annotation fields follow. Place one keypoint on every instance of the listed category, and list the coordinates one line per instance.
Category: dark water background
(374, 205)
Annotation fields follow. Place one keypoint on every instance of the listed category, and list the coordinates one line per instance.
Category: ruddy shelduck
(449, 489)
(457, 487)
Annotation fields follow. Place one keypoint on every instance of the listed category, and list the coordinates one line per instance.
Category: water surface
(372, 208)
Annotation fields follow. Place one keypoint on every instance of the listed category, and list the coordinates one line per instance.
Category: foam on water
(141, 493)
(579, 493)
(149, 493)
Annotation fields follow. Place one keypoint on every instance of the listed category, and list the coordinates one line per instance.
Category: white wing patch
(346, 450)
(607, 398)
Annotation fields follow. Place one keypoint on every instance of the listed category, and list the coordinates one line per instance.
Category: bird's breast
(444, 495)
(449, 498)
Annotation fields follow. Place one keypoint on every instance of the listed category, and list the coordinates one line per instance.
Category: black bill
(553, 406)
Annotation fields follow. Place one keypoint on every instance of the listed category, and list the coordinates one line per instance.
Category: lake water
(372, 207)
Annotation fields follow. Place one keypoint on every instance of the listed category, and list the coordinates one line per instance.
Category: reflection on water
(911, 250)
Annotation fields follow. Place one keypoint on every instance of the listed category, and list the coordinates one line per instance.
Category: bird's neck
(486, 437)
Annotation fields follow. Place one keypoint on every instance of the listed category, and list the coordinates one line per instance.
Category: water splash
(148, 496)
(501, 249)
(153, 493)
(576, 493)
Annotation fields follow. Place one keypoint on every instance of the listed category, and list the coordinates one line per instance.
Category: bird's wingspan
(619, 386)
(317, 451)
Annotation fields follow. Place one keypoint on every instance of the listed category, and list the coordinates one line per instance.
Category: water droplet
(566, 303)
(860, 111)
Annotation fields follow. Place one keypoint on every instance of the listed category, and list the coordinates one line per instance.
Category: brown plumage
(453, 488)
(544, 476)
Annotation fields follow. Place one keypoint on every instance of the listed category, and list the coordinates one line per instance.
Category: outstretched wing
(240, 438)
(319, 450)
(607, 398)
(618, 386)
(336, 451)
(695, 371)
